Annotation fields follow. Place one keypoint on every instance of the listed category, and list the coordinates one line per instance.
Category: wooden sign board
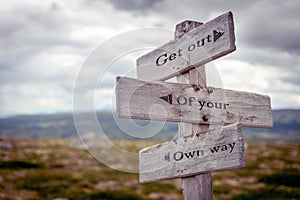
(186, 103)
(216, 150)
(196, 47)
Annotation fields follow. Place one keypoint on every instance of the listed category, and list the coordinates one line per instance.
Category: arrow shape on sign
(219, 106)
(167, 98)
(217, 34)
(167, 157)
(185, 159)
(182, 54)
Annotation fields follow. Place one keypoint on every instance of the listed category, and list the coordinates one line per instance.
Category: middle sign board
(187, 103)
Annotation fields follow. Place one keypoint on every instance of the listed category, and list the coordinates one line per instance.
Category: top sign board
(197, 47)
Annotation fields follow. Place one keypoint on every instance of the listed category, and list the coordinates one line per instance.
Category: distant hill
(63, 126)
(286, 127)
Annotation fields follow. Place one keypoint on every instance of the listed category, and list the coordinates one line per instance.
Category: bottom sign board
(206, 152)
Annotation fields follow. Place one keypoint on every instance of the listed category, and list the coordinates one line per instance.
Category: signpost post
(197, 152)
(199, 186)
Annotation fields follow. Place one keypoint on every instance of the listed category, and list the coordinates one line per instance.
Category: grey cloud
(24, 34)
(272, 57)
(272, 26)
(172, 12)
(265, 24)
(35, 28)
(267, 35)
(285, 63)
(134, 5)
(294, 81)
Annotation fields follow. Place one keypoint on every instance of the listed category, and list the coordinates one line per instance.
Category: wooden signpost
(197, 152)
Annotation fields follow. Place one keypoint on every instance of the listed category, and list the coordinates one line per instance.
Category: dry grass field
(54, 169)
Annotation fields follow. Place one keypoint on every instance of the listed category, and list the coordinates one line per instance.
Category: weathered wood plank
(211, 151)
(199, 186)
(190, 103)
(194, 48)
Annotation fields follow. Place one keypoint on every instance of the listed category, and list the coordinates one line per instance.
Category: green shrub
(108, 195)
(17, 164)
(47, 185)
(268, 193)
(108, 174)
(223, 189)
(286, 177)
(158, 187)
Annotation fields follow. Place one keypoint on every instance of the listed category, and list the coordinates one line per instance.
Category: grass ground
(50, 169)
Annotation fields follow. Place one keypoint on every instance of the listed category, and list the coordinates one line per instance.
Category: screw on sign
(197, 152)
(136, 99)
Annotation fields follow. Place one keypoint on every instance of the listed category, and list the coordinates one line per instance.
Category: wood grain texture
(199, 186)
(192, 49)
(142, 100)
(211, 151)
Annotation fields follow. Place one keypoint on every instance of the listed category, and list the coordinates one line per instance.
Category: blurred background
(45, 44)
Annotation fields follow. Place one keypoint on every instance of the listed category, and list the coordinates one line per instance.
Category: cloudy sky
(45, 44)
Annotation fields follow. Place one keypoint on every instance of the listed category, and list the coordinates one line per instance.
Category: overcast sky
(44, 45)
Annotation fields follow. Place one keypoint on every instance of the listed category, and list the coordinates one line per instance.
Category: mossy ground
(49, 169)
